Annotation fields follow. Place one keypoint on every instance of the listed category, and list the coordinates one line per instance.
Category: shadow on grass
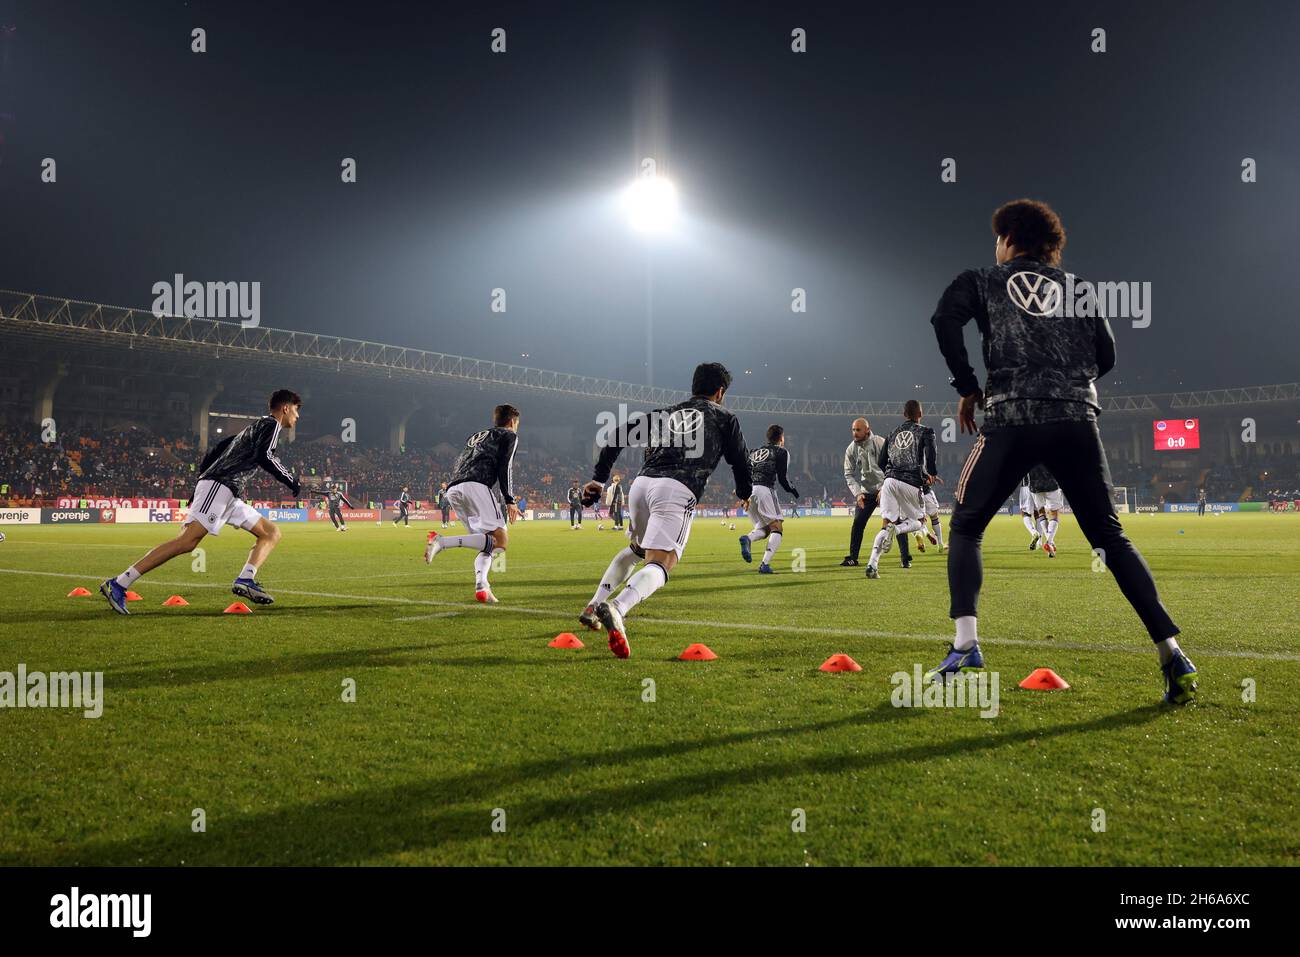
(155, 613)
(353, 828)
(281, 665)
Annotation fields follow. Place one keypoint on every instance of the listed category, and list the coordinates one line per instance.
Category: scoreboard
(1177, 434)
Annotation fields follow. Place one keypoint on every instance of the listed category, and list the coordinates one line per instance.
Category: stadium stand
(133, 400)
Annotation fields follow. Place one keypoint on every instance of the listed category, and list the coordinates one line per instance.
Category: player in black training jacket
(1047, 502)
(486, 460)
(683, 445)
(403, 508)
(907, 460)
(1040, 407)
(333, 496)
(767, 465)
(574, 497)
(216, 502)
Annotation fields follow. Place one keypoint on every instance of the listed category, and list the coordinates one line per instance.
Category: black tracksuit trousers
(1073, 452)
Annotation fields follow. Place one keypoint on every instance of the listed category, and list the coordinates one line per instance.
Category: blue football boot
(252, 590)
(957, 662)
(115, 594)
(1180, 679)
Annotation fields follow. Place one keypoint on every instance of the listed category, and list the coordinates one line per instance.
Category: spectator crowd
(135, 462)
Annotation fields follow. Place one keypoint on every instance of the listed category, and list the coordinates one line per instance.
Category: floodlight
(651, 204)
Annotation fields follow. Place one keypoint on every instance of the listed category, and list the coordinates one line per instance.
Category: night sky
(818, 170)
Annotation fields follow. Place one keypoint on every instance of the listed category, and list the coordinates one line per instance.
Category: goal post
(1121, 500)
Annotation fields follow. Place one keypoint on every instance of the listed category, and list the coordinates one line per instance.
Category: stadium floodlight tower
(651, 204)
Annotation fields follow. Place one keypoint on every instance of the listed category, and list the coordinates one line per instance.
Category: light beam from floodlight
(651, 203)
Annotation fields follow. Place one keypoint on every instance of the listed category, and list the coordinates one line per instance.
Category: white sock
(907, 527)
(773, 543)
(938, 529)
(642, 585)
(1166, 649)
(1052, 526)
(880, 545)
(250, 571)
(617, 572)
(464, 541)
(966, 639)
(483, 562)
(757, 534)
(1041, 525)
(128, 577)
(1029, 523)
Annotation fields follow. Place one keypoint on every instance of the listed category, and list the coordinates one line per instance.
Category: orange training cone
(132, 596)
(237, 608)
(565, 639)
(1044, 679)
(840, 663)
(176, 600)
(697, 652)
(78, 592)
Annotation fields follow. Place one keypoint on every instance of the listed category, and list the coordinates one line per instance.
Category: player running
(403, 508)
(767, 465)
(930, 502)
(487, 460)
(1041, 406)
(216, 502)
(907, 459)
(687, 441)
(1048, 503)
(334, 495)
(1028, 514)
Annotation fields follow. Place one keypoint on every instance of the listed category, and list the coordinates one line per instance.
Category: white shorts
(214, 505)
(660, 512)
(764, 509)
(476, 507)
(1026, 500)
(900, 501)
(930, 502)
(1053, 501)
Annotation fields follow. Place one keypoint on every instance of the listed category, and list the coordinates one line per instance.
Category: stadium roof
(48, 317)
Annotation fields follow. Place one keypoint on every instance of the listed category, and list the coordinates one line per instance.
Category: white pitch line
(1138, 647)
(436, 614)
(43, 544)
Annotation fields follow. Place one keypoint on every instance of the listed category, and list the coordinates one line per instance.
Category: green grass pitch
(464, 717)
